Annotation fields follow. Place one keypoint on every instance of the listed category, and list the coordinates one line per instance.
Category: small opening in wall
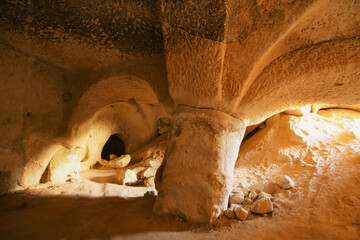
(114, 145)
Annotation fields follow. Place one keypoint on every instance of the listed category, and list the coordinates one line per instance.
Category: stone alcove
(114, 145)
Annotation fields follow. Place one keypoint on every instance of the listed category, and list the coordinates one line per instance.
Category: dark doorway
(114, 145)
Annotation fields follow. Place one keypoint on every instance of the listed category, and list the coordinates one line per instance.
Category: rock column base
(197, 176)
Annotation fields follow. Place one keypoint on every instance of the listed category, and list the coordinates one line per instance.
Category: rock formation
(74, 73)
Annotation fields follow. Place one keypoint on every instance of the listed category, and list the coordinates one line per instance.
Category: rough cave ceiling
(206, 53)
(128, 26)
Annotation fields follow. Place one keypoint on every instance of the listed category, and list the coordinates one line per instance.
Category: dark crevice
(253, 132)
(114, 145)
(45, 176)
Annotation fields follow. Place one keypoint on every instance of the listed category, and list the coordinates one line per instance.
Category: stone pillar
(194, 45)
(197, 177)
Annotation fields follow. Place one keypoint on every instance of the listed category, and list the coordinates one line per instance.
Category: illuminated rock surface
(180, 86)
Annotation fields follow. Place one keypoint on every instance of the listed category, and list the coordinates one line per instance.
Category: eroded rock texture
(197, 176)
(73, 73)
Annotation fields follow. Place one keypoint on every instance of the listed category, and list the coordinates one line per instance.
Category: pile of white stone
(258, 202)
(144, 171)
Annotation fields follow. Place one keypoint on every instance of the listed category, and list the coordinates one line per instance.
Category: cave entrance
(114, 145)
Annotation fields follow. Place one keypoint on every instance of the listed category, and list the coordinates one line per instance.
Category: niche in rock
(114, 145)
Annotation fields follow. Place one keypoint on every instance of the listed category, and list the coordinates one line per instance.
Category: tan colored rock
(120, 162)
(229, 213)
(262, 205)
(236, 198)
(252, 195)
(245, 59)
(240, 213)
(211, 134)
(112, 156)
(155, 161)
(40, 149)
(149, 172)
(147, 160)
(126, 176)
(65, 164)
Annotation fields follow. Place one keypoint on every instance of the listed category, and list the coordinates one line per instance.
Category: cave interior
(161, 119)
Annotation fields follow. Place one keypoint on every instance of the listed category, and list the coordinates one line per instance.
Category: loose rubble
(229, 213)
(236, 197)
(241, 201)
(139, 168)
(262, 205)
(252, 195)
(240, 213)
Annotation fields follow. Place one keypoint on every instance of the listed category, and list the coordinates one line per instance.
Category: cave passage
(114, 145)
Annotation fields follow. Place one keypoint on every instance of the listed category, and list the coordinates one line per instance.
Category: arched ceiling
(225, 54)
